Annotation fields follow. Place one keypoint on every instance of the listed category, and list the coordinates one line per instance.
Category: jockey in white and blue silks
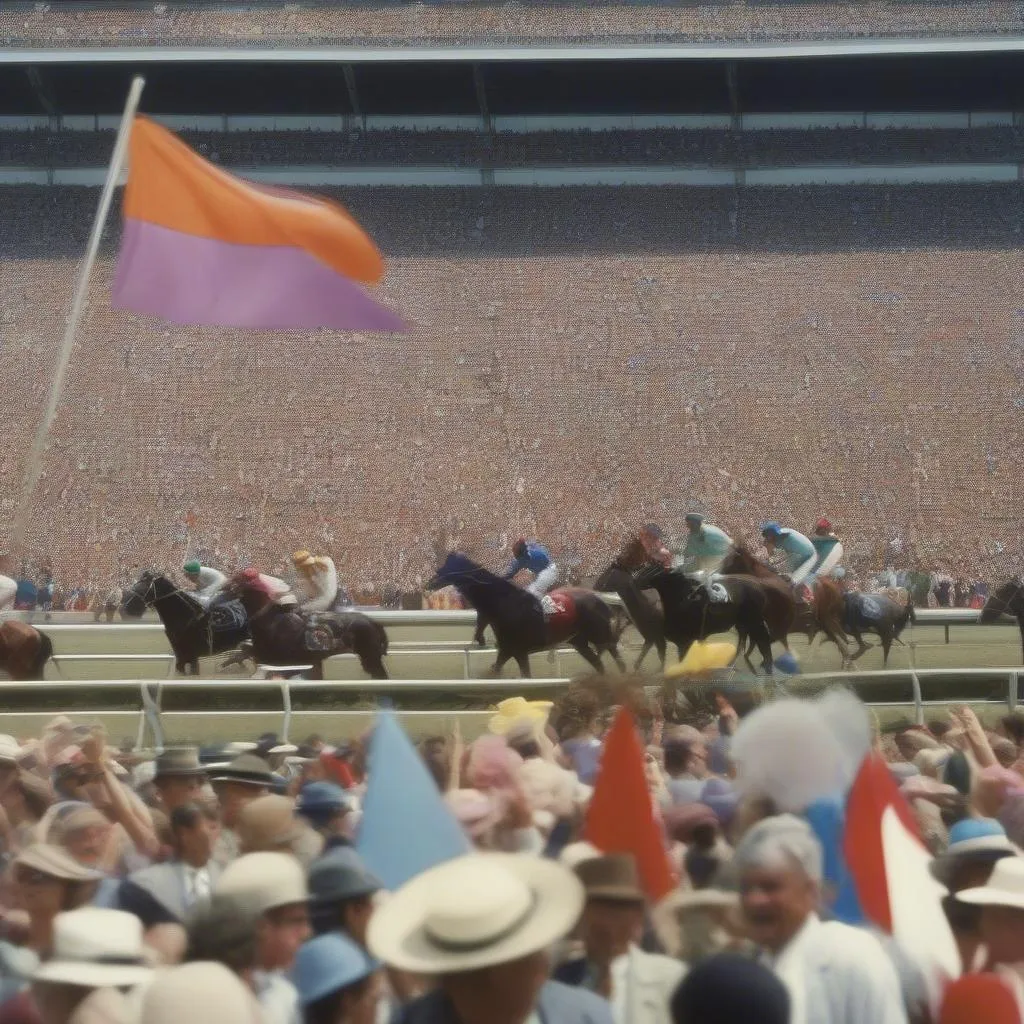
(799, 551)
(536, 559)
(707, 546)
(8, 592)
(829, 549)
(208, 582)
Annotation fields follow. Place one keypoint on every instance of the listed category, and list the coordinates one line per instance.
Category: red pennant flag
(889, 866)
(621, 816)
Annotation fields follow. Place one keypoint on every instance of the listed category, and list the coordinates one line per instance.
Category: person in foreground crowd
(835, 974)
(482, 925)
(638, 984)
(730, 989)
(337, 981)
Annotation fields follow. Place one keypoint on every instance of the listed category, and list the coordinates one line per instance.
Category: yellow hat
(516, 709)
(302, 557)
(703, 657)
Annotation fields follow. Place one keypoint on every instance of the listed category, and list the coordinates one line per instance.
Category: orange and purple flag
(201, 246)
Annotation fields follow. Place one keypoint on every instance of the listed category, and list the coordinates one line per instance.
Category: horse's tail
(382, 635)
(43, 655)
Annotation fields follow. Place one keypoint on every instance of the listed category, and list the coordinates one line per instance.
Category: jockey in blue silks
(535, 558)
(801, 556)
(707, 546)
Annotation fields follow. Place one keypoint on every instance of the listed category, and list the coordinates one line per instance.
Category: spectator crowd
(621, 857)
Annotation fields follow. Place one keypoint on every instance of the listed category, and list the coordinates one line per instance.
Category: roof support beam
(353, 95)
(42, 94)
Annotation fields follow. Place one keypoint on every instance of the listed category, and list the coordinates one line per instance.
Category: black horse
(1008, 599)
(691, 615)
(520, 626)
(643, 612)
(875, 613)
(193, 632)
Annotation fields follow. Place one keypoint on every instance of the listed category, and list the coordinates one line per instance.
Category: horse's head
(1006, 599)
(632, 556)
(452, 570)
(614, 577)
(140, 595)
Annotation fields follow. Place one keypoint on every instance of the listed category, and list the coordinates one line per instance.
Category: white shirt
(209, 578)
(836, 974)
(197, 884)
(277, 996)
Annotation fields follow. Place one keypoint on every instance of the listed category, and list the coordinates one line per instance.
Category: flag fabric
(201, 246)
(974, 998)
(620, 818)
(828, 819)
(406, 826)
(889, 865)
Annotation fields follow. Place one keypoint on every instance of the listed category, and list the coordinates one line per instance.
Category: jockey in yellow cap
(320, 581)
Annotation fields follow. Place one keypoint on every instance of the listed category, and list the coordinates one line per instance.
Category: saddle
(559, 609)
(227, 617)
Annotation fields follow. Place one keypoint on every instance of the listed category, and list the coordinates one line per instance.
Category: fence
(149, 695)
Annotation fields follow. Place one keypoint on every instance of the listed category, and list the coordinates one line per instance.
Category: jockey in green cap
(207, 582)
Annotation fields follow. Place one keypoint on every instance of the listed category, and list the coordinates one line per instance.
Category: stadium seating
(580, 361)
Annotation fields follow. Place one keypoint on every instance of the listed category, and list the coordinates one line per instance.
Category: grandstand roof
(487, 23)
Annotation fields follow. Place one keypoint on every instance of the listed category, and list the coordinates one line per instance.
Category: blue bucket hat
(321, 797)
(328, 963)
(340, 874)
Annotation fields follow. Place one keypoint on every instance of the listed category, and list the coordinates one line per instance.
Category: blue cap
(972, 834)
(773, 528)
(321, 796)
(694, 517)
(328, 963)
(340, 874)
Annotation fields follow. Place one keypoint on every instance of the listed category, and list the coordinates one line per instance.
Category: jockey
(320, 579)
(829, 549)
(653, 541)
(8, 592)
(535, 558)
(707, 546)
(208, 583)
(799, 551)
(279, 591)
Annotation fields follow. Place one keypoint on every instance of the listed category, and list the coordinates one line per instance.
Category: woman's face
(37, 893)
(88, 845)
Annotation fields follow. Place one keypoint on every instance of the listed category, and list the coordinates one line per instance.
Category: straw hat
(96, 947)
(53, 861)
(476, 911)
(258, 882)
(201, 993)
(1005, 887)
(246, 768)
(269, 823)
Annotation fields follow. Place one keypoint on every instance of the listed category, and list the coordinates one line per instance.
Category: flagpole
(34, 465)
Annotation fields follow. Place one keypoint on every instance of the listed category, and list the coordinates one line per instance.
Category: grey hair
(783, 841)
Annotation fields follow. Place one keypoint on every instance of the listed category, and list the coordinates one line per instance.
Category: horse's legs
(759, 632)
(862, 647)
(316, 670)
(523, 661)
(478, 633)
(661, 648)
(886, 636)
(194, 664)
(648, 644)
(499, 663)
(613, 650)
(587, 654)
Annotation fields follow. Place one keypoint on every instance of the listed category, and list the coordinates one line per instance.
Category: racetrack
(435, 650)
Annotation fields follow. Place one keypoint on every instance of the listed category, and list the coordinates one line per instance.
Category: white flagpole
(34, 465)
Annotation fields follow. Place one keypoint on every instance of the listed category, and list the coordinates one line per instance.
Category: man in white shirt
(167, 893)
(638, 985)
(835, 974)
(208, 583)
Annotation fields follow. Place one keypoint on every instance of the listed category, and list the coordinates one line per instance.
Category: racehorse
(282, 635)
(520, 626)
(192, 631)
(691, 615)
(644, 613)
(24, 651)
(875, 613)
(1008, 599)
(826, 611)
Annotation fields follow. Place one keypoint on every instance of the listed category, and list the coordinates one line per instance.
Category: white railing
(149, 712)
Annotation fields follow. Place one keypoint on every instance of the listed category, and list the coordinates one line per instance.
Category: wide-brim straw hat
(178, 761)
(53, 861)
(476, 911)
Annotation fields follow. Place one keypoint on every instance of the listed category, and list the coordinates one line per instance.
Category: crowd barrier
(31, 699)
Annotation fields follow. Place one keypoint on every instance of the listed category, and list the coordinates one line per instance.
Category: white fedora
(1005, 887)
(476, 911)
(97, 948)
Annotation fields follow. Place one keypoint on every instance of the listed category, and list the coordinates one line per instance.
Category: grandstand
(768, 285)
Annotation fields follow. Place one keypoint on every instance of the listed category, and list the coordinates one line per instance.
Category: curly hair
(590, 700)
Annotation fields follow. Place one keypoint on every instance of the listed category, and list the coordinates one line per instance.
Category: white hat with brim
(1005, 886)
(92, 975)
(476, 911)
(10, 749)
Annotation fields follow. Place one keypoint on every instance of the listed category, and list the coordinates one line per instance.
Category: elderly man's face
(178, 790)
(280, 933)
(776, 902)
(1002, 932)
(608, 927)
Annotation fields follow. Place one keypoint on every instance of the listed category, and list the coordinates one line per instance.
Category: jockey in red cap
(653, 541)
(830, 551)
(276, 589)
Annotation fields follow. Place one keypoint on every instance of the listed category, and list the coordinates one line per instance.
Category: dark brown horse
(518, 619)
(282, 635)
(645, 615)
(24, 651)
(1007, 599)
